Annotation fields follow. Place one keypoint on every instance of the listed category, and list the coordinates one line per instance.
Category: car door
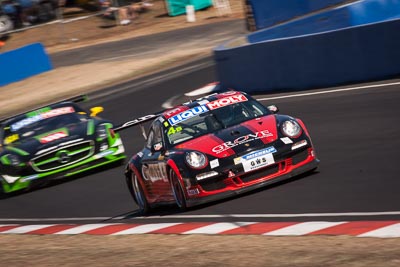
(154, 168)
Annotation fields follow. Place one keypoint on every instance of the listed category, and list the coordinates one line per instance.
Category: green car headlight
(101, 132)
(13, 160)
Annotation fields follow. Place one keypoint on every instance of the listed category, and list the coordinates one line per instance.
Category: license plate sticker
(258, 159)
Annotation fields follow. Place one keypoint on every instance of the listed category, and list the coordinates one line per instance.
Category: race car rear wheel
(177, 190)
(139, 195)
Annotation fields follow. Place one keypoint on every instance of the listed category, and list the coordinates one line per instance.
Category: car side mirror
(157, 147)
(95, 110)
(274, 109)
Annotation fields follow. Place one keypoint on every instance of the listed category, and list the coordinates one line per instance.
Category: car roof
(71, 101)
(51, 106)
(201, 101)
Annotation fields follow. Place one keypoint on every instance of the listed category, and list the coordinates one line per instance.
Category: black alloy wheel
(177, 191)
(139, 195)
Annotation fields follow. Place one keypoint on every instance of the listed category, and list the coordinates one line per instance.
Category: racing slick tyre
(177, 191)
(139, 195)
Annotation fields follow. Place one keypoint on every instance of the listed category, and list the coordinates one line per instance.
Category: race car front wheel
(139, 195)
(177, 190)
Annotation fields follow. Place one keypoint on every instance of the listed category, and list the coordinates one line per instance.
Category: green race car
(55, 141)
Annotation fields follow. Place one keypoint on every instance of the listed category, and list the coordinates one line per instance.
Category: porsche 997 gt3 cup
(55, 141)
(215, 147)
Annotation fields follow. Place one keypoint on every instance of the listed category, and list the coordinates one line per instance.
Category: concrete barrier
(328, 53)
(22, 63)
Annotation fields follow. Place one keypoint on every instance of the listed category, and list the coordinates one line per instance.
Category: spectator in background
(127, 11)
(26, 8)
(12, 10)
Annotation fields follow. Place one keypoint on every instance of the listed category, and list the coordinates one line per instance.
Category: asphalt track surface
(355, 133)
(154, 44)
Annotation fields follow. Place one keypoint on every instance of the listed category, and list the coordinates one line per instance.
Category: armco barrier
(270, 12)
(354, 54)
(318, 51)
(23, 62)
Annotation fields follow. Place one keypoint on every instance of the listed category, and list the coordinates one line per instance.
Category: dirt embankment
(197, 250)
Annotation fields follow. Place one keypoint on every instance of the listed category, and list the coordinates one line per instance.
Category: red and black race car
(215, 147)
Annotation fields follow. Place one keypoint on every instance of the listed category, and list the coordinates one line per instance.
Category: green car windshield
(213, 120)
(25, 127)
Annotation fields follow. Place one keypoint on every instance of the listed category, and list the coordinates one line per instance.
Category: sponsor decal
(192, 192)
(174, 130)
(258, 159)
(45, 115)
(52, 137)
(155, 172)
(168, 114)
(241, 140)
(259, 153)
(226, 101)
(237, 161)
(57, 112)
(214, 163)
(286, 140)
(187, 114)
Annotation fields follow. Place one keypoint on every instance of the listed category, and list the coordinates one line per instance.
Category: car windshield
(203, 121)
(26, 127)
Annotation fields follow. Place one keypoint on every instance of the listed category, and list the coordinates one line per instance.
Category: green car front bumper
(110, 155)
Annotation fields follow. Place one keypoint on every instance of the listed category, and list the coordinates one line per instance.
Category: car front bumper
(237, 188)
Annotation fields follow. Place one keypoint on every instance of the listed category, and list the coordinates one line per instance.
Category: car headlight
(196, 160)
(291, 128)
(101, 132)
(13, 160)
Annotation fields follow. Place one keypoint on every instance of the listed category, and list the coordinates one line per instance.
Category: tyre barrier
(23, 62)
(354, 43)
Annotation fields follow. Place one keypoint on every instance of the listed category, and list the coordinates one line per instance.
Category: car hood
(52, 139)
(246, 136)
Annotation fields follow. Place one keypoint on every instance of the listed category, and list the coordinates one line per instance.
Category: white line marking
(360, 214)
(384, 232)
(217, 228)
(331, 91)
(303, 228)
(144, 229)
(274, 215)
(54, 219)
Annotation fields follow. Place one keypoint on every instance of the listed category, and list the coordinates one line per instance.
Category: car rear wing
(138, 121)
(75, 99)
